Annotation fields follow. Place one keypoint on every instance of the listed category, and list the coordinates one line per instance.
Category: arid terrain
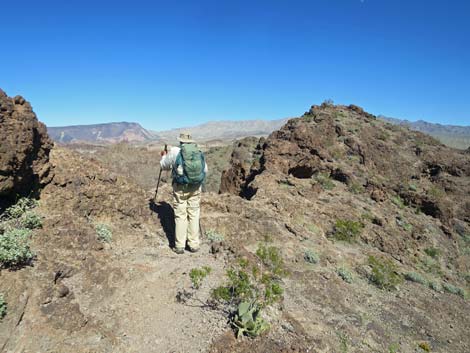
(357, 231)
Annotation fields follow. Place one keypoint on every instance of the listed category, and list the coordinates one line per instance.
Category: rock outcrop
(348, 145)
(24, 149)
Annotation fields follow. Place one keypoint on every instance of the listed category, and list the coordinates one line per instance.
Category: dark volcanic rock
(24, 150)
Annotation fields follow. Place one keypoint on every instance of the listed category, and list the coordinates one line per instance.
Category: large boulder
(24, 150)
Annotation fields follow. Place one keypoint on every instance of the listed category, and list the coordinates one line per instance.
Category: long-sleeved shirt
(168, 161)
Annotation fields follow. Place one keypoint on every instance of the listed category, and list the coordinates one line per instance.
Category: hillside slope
(351, 205)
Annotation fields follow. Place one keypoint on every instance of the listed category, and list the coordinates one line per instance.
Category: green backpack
(189, 166)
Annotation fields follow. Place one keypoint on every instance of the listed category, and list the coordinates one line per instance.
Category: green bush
(214, 236)
(433, 252)
(453, 289)
(435, 286)
(103, 232)
(311, 256)
(398, 201)
(271, 258)
(20, 207)
(425, 346)
(15, 247)
(415, 277)
(345, 274)
(346, 230)
(197, 275)
(31, 220)
(356, 188)
(384, 273)
(3, 307)
(259, 284)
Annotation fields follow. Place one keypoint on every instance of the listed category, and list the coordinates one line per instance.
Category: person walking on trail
(189, 170)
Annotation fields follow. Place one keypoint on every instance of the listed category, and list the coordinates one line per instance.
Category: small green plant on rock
(103, 232)
(197, 275)
(271, 258)
(214, 236)
(345, 274)
(15, 247)
(384, 273)
(3, 307)
(247, 320)
(347, 230)
(311, 256)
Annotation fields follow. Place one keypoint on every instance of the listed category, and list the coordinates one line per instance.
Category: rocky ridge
(24, 150)
(83, 295)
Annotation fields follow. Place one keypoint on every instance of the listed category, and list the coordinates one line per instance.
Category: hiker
(188, 172)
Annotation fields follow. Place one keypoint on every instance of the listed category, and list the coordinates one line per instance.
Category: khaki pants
(186, 201)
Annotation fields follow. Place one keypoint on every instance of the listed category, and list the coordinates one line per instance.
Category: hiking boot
(178, 251)
(193, 250)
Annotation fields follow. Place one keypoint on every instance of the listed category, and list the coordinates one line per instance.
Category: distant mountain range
(454, 136)
(100, 133)
(224, 130)
(133, 132)
(451, 135)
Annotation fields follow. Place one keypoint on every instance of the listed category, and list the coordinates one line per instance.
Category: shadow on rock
(167, 219)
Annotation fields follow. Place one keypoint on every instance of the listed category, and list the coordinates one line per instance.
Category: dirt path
(142, 313)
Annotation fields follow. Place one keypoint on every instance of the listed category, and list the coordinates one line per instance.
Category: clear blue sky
(168, 63)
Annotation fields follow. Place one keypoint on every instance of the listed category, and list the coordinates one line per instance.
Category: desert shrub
(412, 187)
(383, 135)
(197, 275)
(453, 289)
(347, 230)
(311, 256)
(345, 274)
(103, 232)
(20, 207)
(435, 286)
(3, 307)
(384, 273)
(436, 192)
(271, 258)
(431, 265)
(404, 224)
(432, 252)
(248, 321)
(251, 288)
(325, 181)
(398, 201)
(425, 346)
(31, 220)
(415, 277)
(356, 188)
(15, 247)
(328, 103)
(214, 236)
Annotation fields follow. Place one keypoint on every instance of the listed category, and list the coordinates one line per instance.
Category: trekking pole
(160, 176)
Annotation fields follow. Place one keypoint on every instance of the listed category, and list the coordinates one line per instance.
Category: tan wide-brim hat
(185, 137)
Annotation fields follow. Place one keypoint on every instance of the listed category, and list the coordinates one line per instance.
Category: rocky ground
(335, 187)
